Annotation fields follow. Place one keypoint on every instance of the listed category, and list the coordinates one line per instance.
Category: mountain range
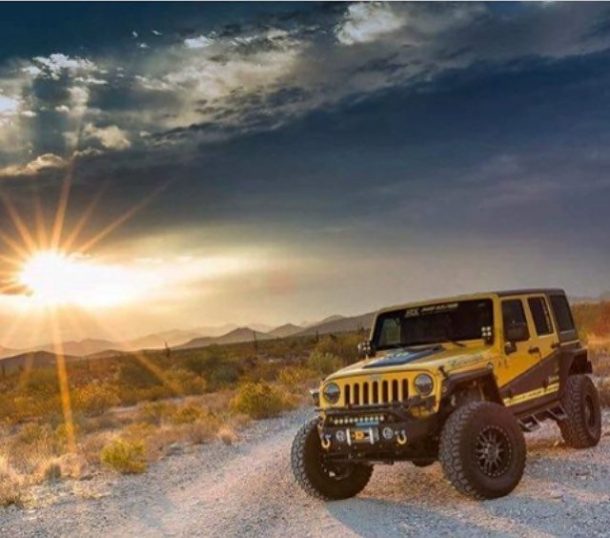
(190, 339)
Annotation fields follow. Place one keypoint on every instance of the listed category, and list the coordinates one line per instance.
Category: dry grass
(227, 435)
(125, 457)
(12, 485)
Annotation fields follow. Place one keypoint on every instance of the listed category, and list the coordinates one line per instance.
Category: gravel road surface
(247, 489)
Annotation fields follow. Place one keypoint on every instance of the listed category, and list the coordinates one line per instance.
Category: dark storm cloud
(442, 119)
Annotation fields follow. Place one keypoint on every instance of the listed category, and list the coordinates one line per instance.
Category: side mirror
(516, 333)
(365, 349)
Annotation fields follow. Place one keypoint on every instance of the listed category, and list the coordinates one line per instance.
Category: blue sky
(343, 156)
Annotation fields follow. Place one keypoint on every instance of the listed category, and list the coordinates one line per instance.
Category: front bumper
(373, 430)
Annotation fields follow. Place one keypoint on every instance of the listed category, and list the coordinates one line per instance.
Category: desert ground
(247, 489)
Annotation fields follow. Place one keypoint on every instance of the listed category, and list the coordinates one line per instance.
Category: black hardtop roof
(530, 291)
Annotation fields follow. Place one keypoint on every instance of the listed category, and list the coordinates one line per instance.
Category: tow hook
(401, 438)
(325, 442)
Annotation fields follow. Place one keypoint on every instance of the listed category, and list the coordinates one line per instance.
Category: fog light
(340, 436)
(388, 433)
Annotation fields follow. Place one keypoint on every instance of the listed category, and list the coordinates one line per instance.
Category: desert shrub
(153, 412)
(95, 398)
(11, 486)
(132, 373)
(323, 363)
(187, 381)
(33, 433)
(125, 457)
(32, 406)
(294, 375)
(51, 472)
(186, 414)
(132, 396)
(225, 375)
(344, 346)
(260, 400)
(264, 371)
(203, 430)
(40, 382)
(7, 408)
(227, 435)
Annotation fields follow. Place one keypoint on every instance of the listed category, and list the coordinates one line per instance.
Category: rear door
(533, 366)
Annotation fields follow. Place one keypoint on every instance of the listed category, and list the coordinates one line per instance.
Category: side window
(513, 314)
(563, 316)
(541, 315)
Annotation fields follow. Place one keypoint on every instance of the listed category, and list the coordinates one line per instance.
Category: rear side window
(541, 315)
(563, 316)
(513, 313)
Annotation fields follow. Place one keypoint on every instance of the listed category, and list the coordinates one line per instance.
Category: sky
(200, 164)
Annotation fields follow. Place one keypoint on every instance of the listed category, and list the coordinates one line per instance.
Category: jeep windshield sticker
(430, 309)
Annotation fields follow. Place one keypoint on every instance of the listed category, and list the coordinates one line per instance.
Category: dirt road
(247, 490)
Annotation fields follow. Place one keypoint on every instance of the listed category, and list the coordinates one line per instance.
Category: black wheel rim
(493, 451)
(336, 471)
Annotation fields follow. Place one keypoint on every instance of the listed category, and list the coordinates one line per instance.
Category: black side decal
(541, 375)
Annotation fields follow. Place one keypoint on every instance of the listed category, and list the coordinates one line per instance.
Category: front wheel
(583, 426)
(482, 450)
(322, 479)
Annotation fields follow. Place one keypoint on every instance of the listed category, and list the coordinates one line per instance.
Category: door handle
(534, 349)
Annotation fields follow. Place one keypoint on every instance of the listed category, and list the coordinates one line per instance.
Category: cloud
(32, 168)
(57, 63)
(198, 42)
(250, 77)
(365, 22)
(111, 137)
(9, 106)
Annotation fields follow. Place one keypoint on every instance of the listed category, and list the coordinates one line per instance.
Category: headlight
(424, 384)
(331, 393)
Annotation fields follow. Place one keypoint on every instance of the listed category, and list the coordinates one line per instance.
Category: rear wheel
(583, 426)
(320, 478)
(482, 450)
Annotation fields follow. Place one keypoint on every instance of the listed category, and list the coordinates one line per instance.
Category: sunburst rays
(25, 242)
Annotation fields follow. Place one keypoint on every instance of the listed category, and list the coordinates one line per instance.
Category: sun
(55, 278)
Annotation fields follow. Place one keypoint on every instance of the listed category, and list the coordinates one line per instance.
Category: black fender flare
(573, 361)
(484, 376)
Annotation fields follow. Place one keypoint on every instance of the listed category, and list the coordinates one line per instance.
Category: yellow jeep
(456, 380)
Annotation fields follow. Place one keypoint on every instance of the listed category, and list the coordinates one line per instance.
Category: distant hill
(194, 338)
(236, 336)
(7, 352)
(284, 331)
(158, 340)
(82, 347)
(34, 359)
(339, 324)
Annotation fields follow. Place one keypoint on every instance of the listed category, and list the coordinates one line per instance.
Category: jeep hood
(423, 358)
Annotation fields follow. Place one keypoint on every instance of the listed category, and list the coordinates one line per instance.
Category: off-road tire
(313, 477)
(582, 428)
(463, 435)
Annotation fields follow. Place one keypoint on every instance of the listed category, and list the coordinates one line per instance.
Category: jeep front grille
(376, 392)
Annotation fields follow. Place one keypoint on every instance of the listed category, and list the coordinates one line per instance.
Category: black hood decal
(404, 356)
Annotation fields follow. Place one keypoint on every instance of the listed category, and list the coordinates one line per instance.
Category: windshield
(433, 324)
